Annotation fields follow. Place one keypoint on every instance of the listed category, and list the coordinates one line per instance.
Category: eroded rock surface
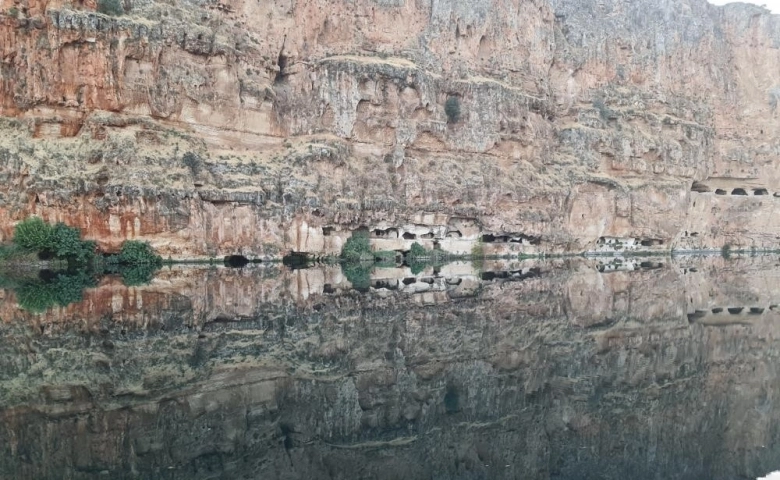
(214, 128)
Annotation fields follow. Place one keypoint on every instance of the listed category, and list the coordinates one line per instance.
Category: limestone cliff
(216, 127)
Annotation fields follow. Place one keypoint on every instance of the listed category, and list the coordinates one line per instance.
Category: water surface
(574, 369)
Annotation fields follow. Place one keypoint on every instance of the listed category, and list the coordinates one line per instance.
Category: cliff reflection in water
(567, 370)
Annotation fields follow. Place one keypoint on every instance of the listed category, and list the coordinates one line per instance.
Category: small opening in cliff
(389, 233)
(735, 310)
(296, 260)
(409, 236)
(651, 265)
(760, 191)
(490, 238)
(327, 231)
(652, 242)
(699, 187)
(717, 310)
(756, 310)
(739, 191)
(454, 234)
(281, 62)
(720, 191)
(236, 261)
(409, 281)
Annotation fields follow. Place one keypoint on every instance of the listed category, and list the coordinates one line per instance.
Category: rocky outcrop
(569, 373)
(212, 128)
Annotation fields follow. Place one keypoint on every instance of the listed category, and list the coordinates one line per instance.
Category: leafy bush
(64, 289)
(113, 8)
(417, 251)
(138, 253)
(452, 109)
(193, 162)
(66, 242)
(357, 247)
(358, 274)
(135, 275)
(33, 234)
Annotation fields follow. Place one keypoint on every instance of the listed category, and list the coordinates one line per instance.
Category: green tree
(138, 253)
(357, 247)
(33, 234)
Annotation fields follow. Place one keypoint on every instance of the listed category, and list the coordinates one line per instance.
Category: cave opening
(327, 231)
(739, 191)
(388, 233)
(700, 187)
(760, 191)
(236, 261)
(409, 236)
(652, 242)
(720, 191)
(281, 62)
(735, 310)
(296, 260)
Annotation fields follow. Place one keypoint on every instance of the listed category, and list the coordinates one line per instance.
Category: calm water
(657, 369)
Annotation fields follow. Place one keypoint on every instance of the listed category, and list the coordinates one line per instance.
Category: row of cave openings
(395, 233)
(630, 242)
(731, 311)
(699, 187)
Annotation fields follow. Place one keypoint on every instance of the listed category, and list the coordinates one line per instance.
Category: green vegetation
(13, 12)
(63, 289)
(358, 274)
(726, 251)
(357, 248)
(452, 109)
(33, 234)
(67, 244)
(113, 8)
(193, 162)
(33, 239)
(59, 241)
(138, 253)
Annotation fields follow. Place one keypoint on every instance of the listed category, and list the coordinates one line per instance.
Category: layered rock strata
(237, 127)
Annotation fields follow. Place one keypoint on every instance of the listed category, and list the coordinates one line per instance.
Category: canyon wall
(577, 371)
(235, 127)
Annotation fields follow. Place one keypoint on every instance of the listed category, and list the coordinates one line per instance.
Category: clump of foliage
(385, 258)
(33, 234)
(725, 251)
(452, 109)
(357, 248)
(418, 251)
(193, 162)
(136, 263)
(60, 240)
(138, 253)
(358, 274)
(63, 289)
(67, 243)
(135, 275)
(113, 8)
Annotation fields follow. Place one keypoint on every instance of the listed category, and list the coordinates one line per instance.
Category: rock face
(222, 127)
(663, 371)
